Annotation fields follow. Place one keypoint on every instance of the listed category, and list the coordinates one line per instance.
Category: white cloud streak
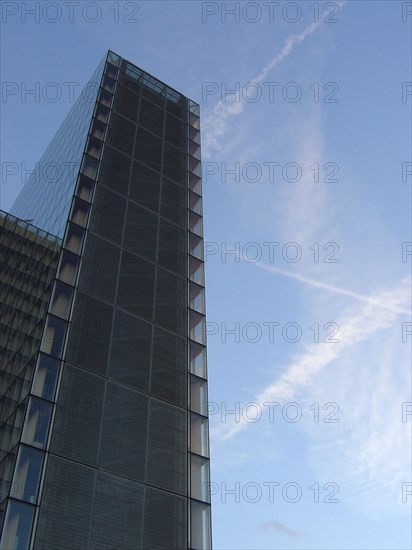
(215, 123)
(378, 300)
(380, 311)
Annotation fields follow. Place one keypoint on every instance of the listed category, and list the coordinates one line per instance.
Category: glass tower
(104, 428)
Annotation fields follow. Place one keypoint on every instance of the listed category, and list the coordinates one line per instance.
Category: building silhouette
(104, 429)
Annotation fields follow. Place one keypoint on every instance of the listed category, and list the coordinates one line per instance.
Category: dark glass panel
(145, 186)
(130, 352)
(117, 522)
(76, 427)
(172, 253)
(153, 96)
(165, 521)
(123, 441)
(171, 302)
(177, 107)
(136, 285)
(99, 269)
(108, 215)
(115, 171)
(174, 164)
(175, 131)
(67, 504)
(148, 149)
(151, 117)
(89, 337)
(126, 102)
(121, 133)
(141, 231)
(169, 367)
(174, 202)
(167, 448)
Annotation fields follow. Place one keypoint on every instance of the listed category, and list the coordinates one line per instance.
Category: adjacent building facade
(104, 429)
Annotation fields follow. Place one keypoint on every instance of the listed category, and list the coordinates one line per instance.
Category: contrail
(376, 302)
(215, 123)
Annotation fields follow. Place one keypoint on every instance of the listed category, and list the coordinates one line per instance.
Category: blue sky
(327, 103)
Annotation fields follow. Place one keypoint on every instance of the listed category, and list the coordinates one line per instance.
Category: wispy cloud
(215, 123)
(380, 311)
(277, 526)
(369, 454)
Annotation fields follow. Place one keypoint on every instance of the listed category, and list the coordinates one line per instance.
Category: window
(45, 377)
(200, 526)
(197, 298)
(199, 478)
(18, 522)
(199, 435)
(197, 327)
(53, 337)
(197, 360)
(37, 421)
(27, 474)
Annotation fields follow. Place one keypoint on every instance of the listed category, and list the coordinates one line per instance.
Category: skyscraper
(104, 429)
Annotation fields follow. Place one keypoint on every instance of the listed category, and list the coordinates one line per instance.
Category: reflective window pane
(197, 360)
(200, 526)
(27, 474)
(197, 298)
(198, 395)
(196, 271)
(195, 184)
(18, 523)
(197, 327)
(195, 203)
(196, 223)
(74, 238)
(199, 435)
(53, 337)
(199, 478)
(79, 212)
(98, 129)
(89, 167)
(37, 422)
(94, 147)
(61, 300)
(69, 264)
(45, 377)
(84, 188)
(196, 246)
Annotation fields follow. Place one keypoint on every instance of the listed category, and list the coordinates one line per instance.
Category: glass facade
(112, 446)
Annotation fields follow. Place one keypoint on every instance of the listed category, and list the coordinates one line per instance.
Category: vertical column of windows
(199, 474)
